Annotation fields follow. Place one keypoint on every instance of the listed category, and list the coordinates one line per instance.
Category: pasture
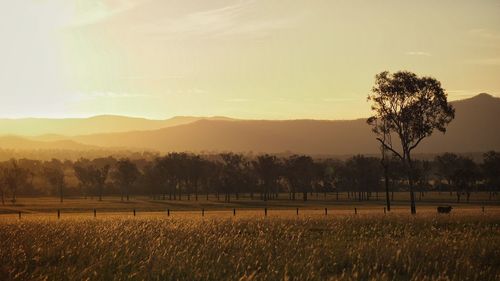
(282, 246)
(50, 205)
(240, 241)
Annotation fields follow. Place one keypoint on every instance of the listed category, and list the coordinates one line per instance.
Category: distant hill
(56, 129)
(14, 142)
(475, 129)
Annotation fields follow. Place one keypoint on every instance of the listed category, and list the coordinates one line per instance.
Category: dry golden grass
(250, 247)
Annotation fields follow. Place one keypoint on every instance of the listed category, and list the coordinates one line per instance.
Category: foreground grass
(392, 247)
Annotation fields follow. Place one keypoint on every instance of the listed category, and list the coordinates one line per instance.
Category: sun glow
(30, 55)
(245, 59)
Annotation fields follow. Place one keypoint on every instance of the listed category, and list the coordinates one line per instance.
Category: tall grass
(396, 247)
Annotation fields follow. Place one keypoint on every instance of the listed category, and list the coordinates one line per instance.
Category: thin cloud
(118, 95)
(237, 100)
(485, 33)
(338, 99)
(485, 61)
(151, 77)
(88, 12)
(418, 53)
(224, 21)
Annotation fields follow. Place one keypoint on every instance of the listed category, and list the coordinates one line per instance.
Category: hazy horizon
(200, 116)
(242, 59)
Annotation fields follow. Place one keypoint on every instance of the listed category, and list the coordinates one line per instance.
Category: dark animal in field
(444, 209)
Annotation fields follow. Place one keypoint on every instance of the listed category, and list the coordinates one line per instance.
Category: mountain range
(474, 129)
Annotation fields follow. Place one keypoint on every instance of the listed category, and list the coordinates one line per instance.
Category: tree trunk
(14, 197)
(413, 208)
(387, 199)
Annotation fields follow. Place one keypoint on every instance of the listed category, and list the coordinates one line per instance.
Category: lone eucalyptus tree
(411, 108)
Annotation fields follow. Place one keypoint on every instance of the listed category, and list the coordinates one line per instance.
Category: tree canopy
(410, 107)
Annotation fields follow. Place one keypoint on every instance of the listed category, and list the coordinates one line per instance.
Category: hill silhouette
(475, 129)
(57, 129)
(15, 142)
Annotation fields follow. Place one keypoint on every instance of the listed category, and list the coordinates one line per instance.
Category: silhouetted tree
(446, 164)
(100, 175)
(300, 174)
(465, 175)
(491, 171)
(268, 169)
(410, 107)
(93, 174)
(152, 180)
(54, 174)
(422, 173)
(195, 173)
(362, 175)
(232, 175)
(83, 172)
(385, 162)
(326, 175)
(125, 174)
(14, 177)
(2, 183)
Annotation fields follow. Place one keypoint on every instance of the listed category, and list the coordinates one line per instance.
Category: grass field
(282, 246)
(35, 205)
(250, 244)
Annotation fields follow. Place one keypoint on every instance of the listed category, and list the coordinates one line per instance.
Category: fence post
(134, 212)
(265, 212)
(234, 211)
(19, 214)
(297, 211)
(355, 211)
(168, 212)
(384, 211)
(58, 213)
(95, 213)
(202, 212)
(482, 208)
(326, 211)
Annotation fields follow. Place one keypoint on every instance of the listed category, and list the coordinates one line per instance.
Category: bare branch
(389, 148)
(415, 145)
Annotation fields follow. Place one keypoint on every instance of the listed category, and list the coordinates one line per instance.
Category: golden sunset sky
(247, 59)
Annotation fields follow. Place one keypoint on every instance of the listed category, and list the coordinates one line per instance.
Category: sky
(262, 59)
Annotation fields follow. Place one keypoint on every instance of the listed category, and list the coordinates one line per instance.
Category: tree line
(226, 176)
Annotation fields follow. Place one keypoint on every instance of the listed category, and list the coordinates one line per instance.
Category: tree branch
(390, 148)
(415, 145)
